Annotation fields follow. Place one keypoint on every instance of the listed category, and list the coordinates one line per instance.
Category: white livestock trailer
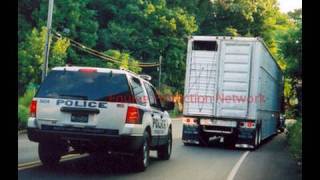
(233, 88)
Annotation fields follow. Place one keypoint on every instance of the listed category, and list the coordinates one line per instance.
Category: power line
(100, 54)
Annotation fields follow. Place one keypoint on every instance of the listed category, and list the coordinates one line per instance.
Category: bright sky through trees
(289, 5)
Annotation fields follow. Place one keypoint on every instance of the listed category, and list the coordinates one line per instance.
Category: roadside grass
(295, 139)
(175, 112)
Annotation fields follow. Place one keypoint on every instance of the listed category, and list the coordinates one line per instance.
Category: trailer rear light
(87, 70)
(133, 115)
(33, 108)
(248, 124)
(189, 121)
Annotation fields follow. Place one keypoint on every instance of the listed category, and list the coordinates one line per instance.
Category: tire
(255, 140)
(50, 153)
(204, 140)
(281, 130)
(260, 137)
(230, 141)
(142, 159)
(164, 152)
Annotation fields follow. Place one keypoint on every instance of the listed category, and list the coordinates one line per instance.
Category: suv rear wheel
(143, 154)
(50, 153)
(164, 152)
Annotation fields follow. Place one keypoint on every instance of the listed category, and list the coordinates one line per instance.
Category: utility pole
(160, 60)
(47, 45)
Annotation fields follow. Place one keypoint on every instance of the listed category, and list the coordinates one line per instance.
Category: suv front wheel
(164, 152)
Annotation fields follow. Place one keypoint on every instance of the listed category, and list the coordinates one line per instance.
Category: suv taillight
(133, 115)
(33, 108)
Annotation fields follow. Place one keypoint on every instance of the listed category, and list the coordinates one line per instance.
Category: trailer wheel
(230, 141)
(255, 139)
(204, 140)
(260, 136)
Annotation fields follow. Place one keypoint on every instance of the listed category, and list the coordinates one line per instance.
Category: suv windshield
(87, 86)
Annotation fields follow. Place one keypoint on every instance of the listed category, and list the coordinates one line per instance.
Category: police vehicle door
(159, 124)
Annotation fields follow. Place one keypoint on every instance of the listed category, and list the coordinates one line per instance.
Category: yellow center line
(38, 163)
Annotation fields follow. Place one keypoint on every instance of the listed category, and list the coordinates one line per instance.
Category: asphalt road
(270, 161)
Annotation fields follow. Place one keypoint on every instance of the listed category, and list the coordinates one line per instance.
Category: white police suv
(99, 110)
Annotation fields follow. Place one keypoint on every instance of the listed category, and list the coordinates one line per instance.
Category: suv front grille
(80, 130)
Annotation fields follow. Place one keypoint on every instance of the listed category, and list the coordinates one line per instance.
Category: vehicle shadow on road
(215, 144)
(87, 167)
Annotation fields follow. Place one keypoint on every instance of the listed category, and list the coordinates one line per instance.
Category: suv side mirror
(169, 105)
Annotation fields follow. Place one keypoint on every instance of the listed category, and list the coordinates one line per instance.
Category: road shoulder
(271, 161)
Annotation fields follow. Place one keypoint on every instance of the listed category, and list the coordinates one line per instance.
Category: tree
(31, 57)
(291, 51)
(72, 18)
(126, 61)
(147, 29)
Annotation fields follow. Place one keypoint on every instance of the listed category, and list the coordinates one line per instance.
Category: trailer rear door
(234, 79)
(200, 87)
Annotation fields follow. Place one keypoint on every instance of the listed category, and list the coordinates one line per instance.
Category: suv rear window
(87, 86)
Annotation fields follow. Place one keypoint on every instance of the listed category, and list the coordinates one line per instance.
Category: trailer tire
(230, 141)
(260, 136)
(255, 139)
(204, 140)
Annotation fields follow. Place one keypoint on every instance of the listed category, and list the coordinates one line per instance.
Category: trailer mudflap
(245, 137)
(190, 134)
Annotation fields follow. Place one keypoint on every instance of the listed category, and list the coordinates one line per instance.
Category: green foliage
(295, 139)
(31, 57)
(59, 52)
(291, 113)
(133, 30)
(73, 18)
(231, 31)
(166, 91)
(23, 107)
(175, 112)
(290, 51)
(147, 30)
(23, 114)
(127, 62)
(26, 99)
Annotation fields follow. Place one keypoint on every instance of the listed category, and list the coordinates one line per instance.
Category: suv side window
(138, 91)
(153, 96)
